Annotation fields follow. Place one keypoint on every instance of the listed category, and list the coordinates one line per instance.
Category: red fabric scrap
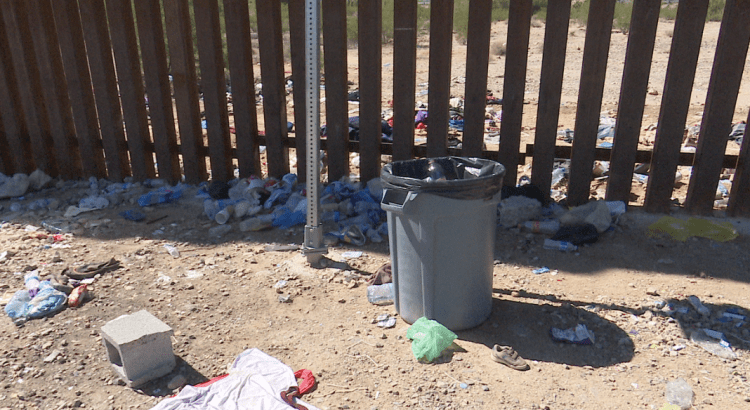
(308, 380)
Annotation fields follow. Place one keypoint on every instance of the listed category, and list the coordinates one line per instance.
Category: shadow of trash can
(442, 215)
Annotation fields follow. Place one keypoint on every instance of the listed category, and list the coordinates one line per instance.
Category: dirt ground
(219, 298)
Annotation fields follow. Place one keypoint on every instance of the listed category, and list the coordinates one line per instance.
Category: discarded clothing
(47, 300)
(256, 381)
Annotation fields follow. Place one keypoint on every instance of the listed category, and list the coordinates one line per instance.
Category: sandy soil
(219, 298)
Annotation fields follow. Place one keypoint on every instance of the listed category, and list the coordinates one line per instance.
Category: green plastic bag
(681, 230)
(430, 338)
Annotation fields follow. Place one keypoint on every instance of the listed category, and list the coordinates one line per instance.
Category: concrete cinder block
(139, 347)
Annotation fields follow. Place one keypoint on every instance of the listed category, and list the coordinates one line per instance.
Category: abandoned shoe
(92, 269)
(507, 356)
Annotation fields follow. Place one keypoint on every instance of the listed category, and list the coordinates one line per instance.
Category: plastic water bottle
(218, 231)
(380, 294)
(223, 216)
(31, 281)
(160, 196)
(559, 245)
(172, 250)
(93, 202)
(702, 309)
(39, 204)
(435, 172)
(546, 227)
(258, 223)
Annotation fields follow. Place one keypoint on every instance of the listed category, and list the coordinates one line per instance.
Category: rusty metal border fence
(106, 88)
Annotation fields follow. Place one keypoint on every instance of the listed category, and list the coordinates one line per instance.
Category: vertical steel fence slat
(477, 63)
(54, 89)
(335, 74)
(128, 66)
(184, 78)
(550, 91)
(370, 66)
(214, 86)
(404, 77)
(155, 71)
(593, 71)
(29, 85)
(80, 91)
(441, 47)
(633, 91)
(99, 52)
(514, 87)
(274, 96)
(18, 157)
(297, 49)
(723, 88)
(678, 84)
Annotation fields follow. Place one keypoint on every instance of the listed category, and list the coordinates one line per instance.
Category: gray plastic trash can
(442, 216)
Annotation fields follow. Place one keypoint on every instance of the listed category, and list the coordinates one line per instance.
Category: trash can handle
(396, 200)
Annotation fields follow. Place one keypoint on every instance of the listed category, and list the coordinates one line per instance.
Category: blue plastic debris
(133, 215)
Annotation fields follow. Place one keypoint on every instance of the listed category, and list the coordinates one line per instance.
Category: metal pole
(313, 246)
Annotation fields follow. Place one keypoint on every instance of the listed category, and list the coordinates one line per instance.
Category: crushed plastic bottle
(172, 250)
(559, 245)
(546, 227)
(679, 393)
(703, 310)
(716, 346)
(380, 295)
(161, 196)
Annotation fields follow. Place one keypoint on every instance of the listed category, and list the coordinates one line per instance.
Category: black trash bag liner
(577, 234)
(450, 177)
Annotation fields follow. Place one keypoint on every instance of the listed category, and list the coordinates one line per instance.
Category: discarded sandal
(60, 282)
(507, 356)
(382, 275)
(92, 269)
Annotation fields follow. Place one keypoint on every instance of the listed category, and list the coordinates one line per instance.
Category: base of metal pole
(313, 246)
